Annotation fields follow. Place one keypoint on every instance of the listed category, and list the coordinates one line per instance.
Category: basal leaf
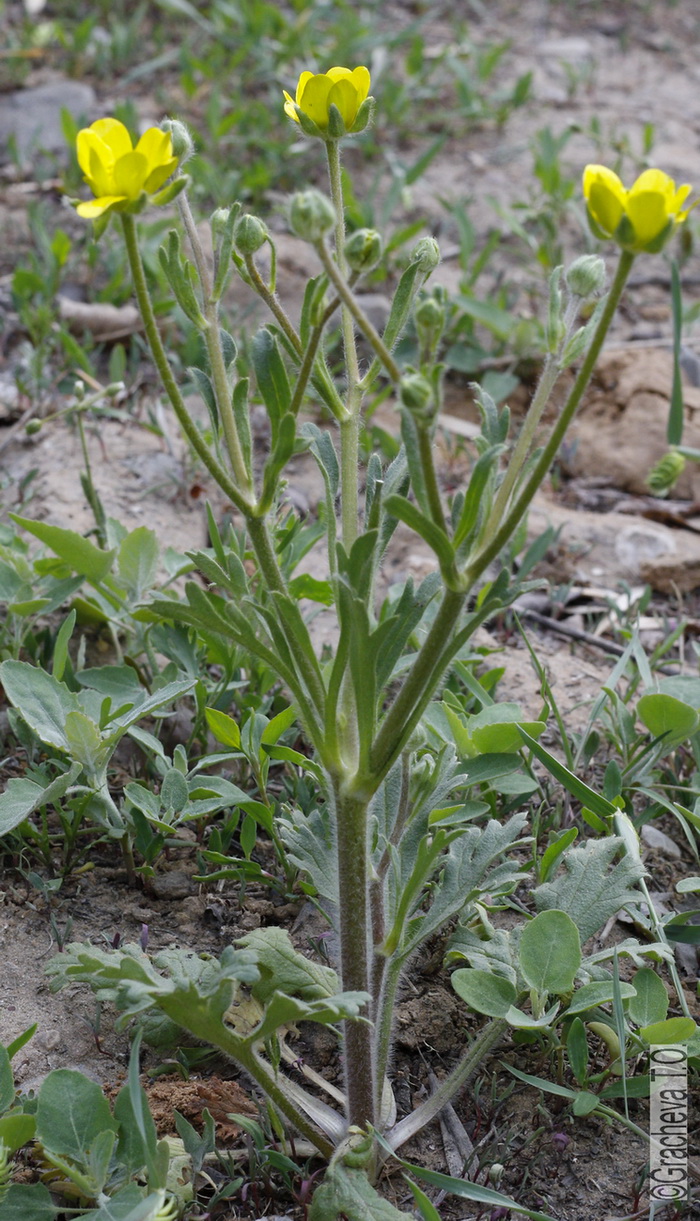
(550, 952)
(650, 1001)
(78, 552)
(590, 889)
(41, 699)
(71, 1111)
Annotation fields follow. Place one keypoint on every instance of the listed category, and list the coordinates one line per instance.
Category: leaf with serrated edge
(589, 889)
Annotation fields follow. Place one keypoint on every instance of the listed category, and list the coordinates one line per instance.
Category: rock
(174, 885)
(32, 117)
(620, 431)
(640, 543)
(660, 842)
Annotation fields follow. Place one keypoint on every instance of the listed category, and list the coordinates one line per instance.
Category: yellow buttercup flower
(642, 218)
(117, 173)
(344, 88)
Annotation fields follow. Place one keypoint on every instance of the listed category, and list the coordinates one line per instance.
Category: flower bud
(496, 1172)
(429, 314)
(311, 215)
(219, 221)
(32, 427)
(417, 396)
(363, 249)
(426, 253)
(79, 389)
(180, 138)
(249, 234)
(586, 276)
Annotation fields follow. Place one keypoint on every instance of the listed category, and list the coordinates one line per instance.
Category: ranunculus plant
(392, 851)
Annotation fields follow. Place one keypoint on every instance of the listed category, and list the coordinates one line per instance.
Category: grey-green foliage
(79, 725)
(284, 969)
(472, 866)
(347, 1192)
(590, 888)
(196, 991)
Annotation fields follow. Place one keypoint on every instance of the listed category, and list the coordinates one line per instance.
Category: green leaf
(599, 992)
(410, 514)
(16, 1130)
(555, 850)
(470, 1191)
(584, 1103)
(137, 561)
(550, 952)
(43, 702)
(82, 555)
(587, 796)
(346, 1192)
(667, 717)
(22, 797)
(28, 1202)
(223, 727)
(650, 1002)
(60, 648)
(71, 1111)
(271, 377)
(484, 992)
(674, 428)
(283, 968)
(86, 744)
(577, 1050)
(673, 1030)
(589, 890)
(7, 1081)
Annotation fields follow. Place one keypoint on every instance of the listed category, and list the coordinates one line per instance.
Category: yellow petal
(679, 199)
(305, 76)
(96, 161)
(339, 74)
(605, 196)
(156, 146)
(361, 80)
(343, 94)
(157, 176)
(130, 173)
(115, 135)
(95, 207)
(656, 181)
(314, 99)
(289, 107)
(648, 211)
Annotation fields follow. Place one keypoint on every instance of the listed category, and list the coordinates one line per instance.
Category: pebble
(661, 842)
(174, 885)
(32, 117)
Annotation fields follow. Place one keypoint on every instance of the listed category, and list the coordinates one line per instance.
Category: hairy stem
(495, 542)
(160, 359)
(212, 339)
(478, 1050)
(353, 915)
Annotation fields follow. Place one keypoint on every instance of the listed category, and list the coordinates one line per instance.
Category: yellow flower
(344, 88)
(642, 218)
(117, 173)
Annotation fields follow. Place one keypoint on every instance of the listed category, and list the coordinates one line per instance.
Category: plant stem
(353, 915)
(272, 302)
(351, 307)
(212, 338)
(161, 362)
(423, 676)
(350, 426)
(478, 1050)
(495, 542)
(425, 449)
